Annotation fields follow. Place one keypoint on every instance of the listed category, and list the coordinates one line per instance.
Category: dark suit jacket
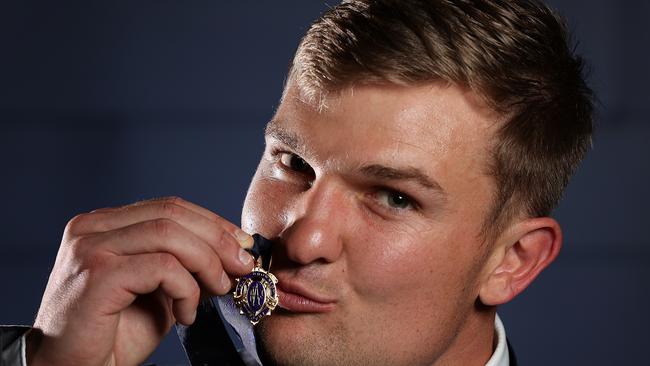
(10, 347)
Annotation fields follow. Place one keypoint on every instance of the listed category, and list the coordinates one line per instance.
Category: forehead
(427, 125)
(441, 130)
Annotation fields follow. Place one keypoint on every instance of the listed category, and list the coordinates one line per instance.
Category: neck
(474, 342)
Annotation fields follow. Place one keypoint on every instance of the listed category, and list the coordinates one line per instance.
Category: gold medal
(255, 294)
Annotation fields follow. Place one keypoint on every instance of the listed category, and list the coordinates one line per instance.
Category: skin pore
(377, 203)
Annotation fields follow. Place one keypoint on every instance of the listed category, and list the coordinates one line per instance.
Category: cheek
(427, 267)
(383, 262)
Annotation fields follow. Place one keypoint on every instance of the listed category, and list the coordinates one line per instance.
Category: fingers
(202, 241)
(167, 250)
(126, 277)
(209, 215)
(207, 260)
(201, 221)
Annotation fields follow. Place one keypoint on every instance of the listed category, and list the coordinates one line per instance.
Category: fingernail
(245, 240)
(225, 281)
(245, 258)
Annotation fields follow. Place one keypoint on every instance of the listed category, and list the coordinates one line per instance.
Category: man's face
(376, 205)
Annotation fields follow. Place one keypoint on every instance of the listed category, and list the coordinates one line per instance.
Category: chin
(297, 339)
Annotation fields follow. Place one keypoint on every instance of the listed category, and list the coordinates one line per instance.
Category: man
(407, 182)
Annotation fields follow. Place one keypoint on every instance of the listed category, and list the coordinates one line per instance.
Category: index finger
(244, 238)
(110, 218)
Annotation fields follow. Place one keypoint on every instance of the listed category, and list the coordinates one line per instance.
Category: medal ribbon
(220, 335)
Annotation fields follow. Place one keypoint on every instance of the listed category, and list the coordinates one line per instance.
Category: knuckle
(83, 255)
(224, 240)
(163, 228)
(221, 237)
(167, 261)
(170, 210)
(76, 223)
(173, 200)
(77, 245)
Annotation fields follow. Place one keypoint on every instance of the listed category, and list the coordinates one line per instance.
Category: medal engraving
(255, 294)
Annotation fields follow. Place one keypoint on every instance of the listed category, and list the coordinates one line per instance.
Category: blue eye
(394, 200)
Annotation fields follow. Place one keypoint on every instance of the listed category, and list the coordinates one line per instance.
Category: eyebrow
(273, 129)
(376, 171)
(379, 171)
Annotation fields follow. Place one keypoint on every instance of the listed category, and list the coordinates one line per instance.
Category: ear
(519, 255)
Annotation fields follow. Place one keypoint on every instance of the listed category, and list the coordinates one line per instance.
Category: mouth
(295, 298)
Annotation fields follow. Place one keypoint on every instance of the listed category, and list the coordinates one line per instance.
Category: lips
(296, 298)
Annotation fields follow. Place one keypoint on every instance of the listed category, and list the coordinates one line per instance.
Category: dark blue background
(104, 103)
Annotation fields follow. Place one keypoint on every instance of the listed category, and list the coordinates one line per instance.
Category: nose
(315, 224)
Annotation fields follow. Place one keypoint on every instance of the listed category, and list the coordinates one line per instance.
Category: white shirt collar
(500, 356)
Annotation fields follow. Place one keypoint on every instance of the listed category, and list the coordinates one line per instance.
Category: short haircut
(516, 55)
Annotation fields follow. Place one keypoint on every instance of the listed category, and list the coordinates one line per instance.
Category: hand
(123, 276)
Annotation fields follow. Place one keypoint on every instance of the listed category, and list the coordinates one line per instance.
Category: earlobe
(530, 247)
